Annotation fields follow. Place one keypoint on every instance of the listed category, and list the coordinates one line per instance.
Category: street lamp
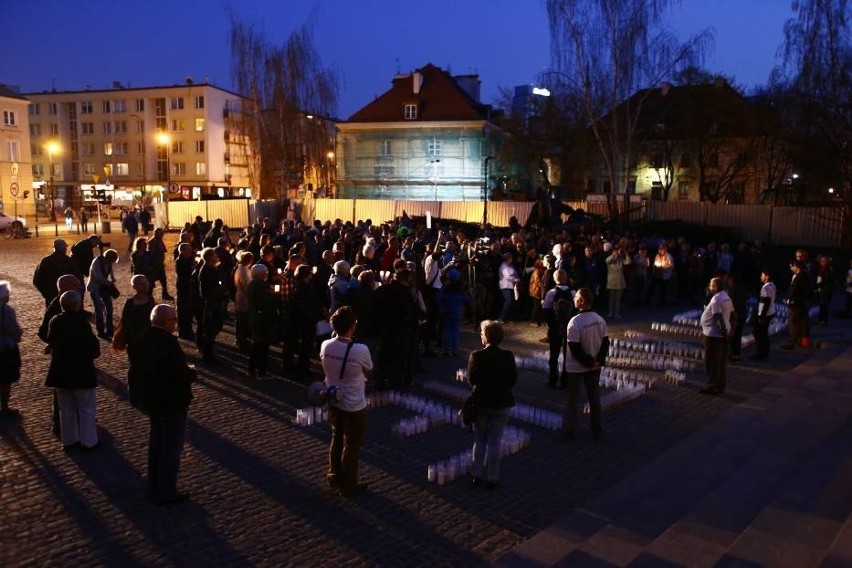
(164, 140)
(52, 148)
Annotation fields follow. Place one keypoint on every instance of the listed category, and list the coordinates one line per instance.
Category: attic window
(410, 112)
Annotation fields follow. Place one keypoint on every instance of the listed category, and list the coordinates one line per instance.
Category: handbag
(468, 411)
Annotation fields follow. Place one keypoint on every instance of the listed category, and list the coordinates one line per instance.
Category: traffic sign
(13, 189)
(174, 188)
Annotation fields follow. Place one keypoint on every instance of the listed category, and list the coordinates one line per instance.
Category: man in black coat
(51, 267)
(165, 397)
(397, 320)
(798, 301)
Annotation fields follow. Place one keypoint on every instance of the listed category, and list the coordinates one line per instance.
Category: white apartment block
(15, 166)
(135, 141)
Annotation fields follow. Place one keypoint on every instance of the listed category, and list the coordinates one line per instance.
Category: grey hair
(160, 313)
(70, 301)
(5, 290)
(259, 271)
(341, 268)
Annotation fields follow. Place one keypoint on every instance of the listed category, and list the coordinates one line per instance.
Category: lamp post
(164, 140)
(52, 148)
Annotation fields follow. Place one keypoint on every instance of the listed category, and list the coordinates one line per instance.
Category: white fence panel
(377, 210)
(807, 226)
(418, 208)
(181, 212)
(752, 221)
(331, 209)
(232, 212)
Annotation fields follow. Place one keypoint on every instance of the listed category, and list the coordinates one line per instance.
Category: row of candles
(617, 397)
(680, 349)
(447, 471)
(311, 415)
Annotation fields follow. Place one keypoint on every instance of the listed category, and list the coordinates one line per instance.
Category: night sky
(75, 45)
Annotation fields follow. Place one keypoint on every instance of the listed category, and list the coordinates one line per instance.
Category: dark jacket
(164, 376)
(48, 271)
(493, 373)
(73, 350)
(262, 314)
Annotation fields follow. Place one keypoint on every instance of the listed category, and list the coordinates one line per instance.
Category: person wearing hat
(51, 267)
(797, 300)
(100, 277)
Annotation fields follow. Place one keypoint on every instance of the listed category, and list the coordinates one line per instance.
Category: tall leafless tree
(609, 50)
(293, 98)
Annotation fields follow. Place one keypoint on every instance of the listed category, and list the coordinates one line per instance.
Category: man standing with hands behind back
(588, 346)
(717, 329)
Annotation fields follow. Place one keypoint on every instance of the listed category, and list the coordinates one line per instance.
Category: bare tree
(609, 50)
(816, 70)
(292, 99)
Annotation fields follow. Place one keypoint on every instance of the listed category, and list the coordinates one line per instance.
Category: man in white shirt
(717, 329)
(346, 366)
(763, 315)
(508, 277)
(588, 346)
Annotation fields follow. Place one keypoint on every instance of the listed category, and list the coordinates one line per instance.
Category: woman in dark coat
(73, 350)
(10, 355)
(262, 320)
(135, 318)
(307, 311)
(492, 373)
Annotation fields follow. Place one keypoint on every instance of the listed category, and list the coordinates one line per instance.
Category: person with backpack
(558, 307)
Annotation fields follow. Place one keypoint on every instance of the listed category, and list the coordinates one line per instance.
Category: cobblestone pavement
(256, 480)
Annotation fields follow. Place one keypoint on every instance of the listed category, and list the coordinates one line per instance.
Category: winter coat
(73, 350)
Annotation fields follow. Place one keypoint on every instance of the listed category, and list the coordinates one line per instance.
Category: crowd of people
(399, 291)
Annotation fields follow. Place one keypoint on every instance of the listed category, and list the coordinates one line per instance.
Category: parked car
(13, 226)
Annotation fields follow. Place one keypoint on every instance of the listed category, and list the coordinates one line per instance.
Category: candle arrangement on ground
(447, 471)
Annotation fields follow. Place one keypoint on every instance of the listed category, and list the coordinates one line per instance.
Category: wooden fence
(812, 226)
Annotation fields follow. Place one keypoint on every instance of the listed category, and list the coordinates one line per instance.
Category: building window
(89, 169)
(54, 129)
(87, 148)
(38, 170)
(35, 129)
(52, 108)
(178, 124)
(121, 169)
(385, 148)
(35, 109)
(108, 149)
(120, 148)
(56, 170)
(119, 106)
(107, 128)
(140, 147)
(200, 168)
(683, 190)
(140, 126)
(14, 153)
(85, 107)
(121, 127)
(434, 169)
(199, 125)
(199, 101)
(10, 118)
(106, 106)
(177, 147)
(140, 105)
(177, 103)
(87, 127)
(36, 150)
(199, 146)
(434, 149)
(383, 171)
(410, 112)
(178, 168)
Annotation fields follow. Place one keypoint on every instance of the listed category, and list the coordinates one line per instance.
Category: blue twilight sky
(72, 45)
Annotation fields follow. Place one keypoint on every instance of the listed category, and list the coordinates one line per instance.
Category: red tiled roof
(440, 98)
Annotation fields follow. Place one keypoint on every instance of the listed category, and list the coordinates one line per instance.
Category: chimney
(665, 88)
(417, 82)
(469, 84)
(188, 80)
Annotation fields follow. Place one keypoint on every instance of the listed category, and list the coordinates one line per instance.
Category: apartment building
(15, 171)
(137, 142)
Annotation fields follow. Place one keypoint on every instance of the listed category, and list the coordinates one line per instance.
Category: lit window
(434, 147)
(384, 147)
(199, 125)
(10, 118)
(199, 101)
(108, 149)
(410, 112)
(200, 168)
(177, 103)
(121, 169)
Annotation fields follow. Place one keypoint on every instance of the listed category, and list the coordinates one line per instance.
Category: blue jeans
(488, 432)
(103, 311)
(450, 333)
(508, 302)
(165, 446)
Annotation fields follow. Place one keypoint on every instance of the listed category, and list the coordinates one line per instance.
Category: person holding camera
(165, 381)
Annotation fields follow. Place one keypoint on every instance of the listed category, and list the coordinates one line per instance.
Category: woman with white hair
(73, 350)
(10, 355)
